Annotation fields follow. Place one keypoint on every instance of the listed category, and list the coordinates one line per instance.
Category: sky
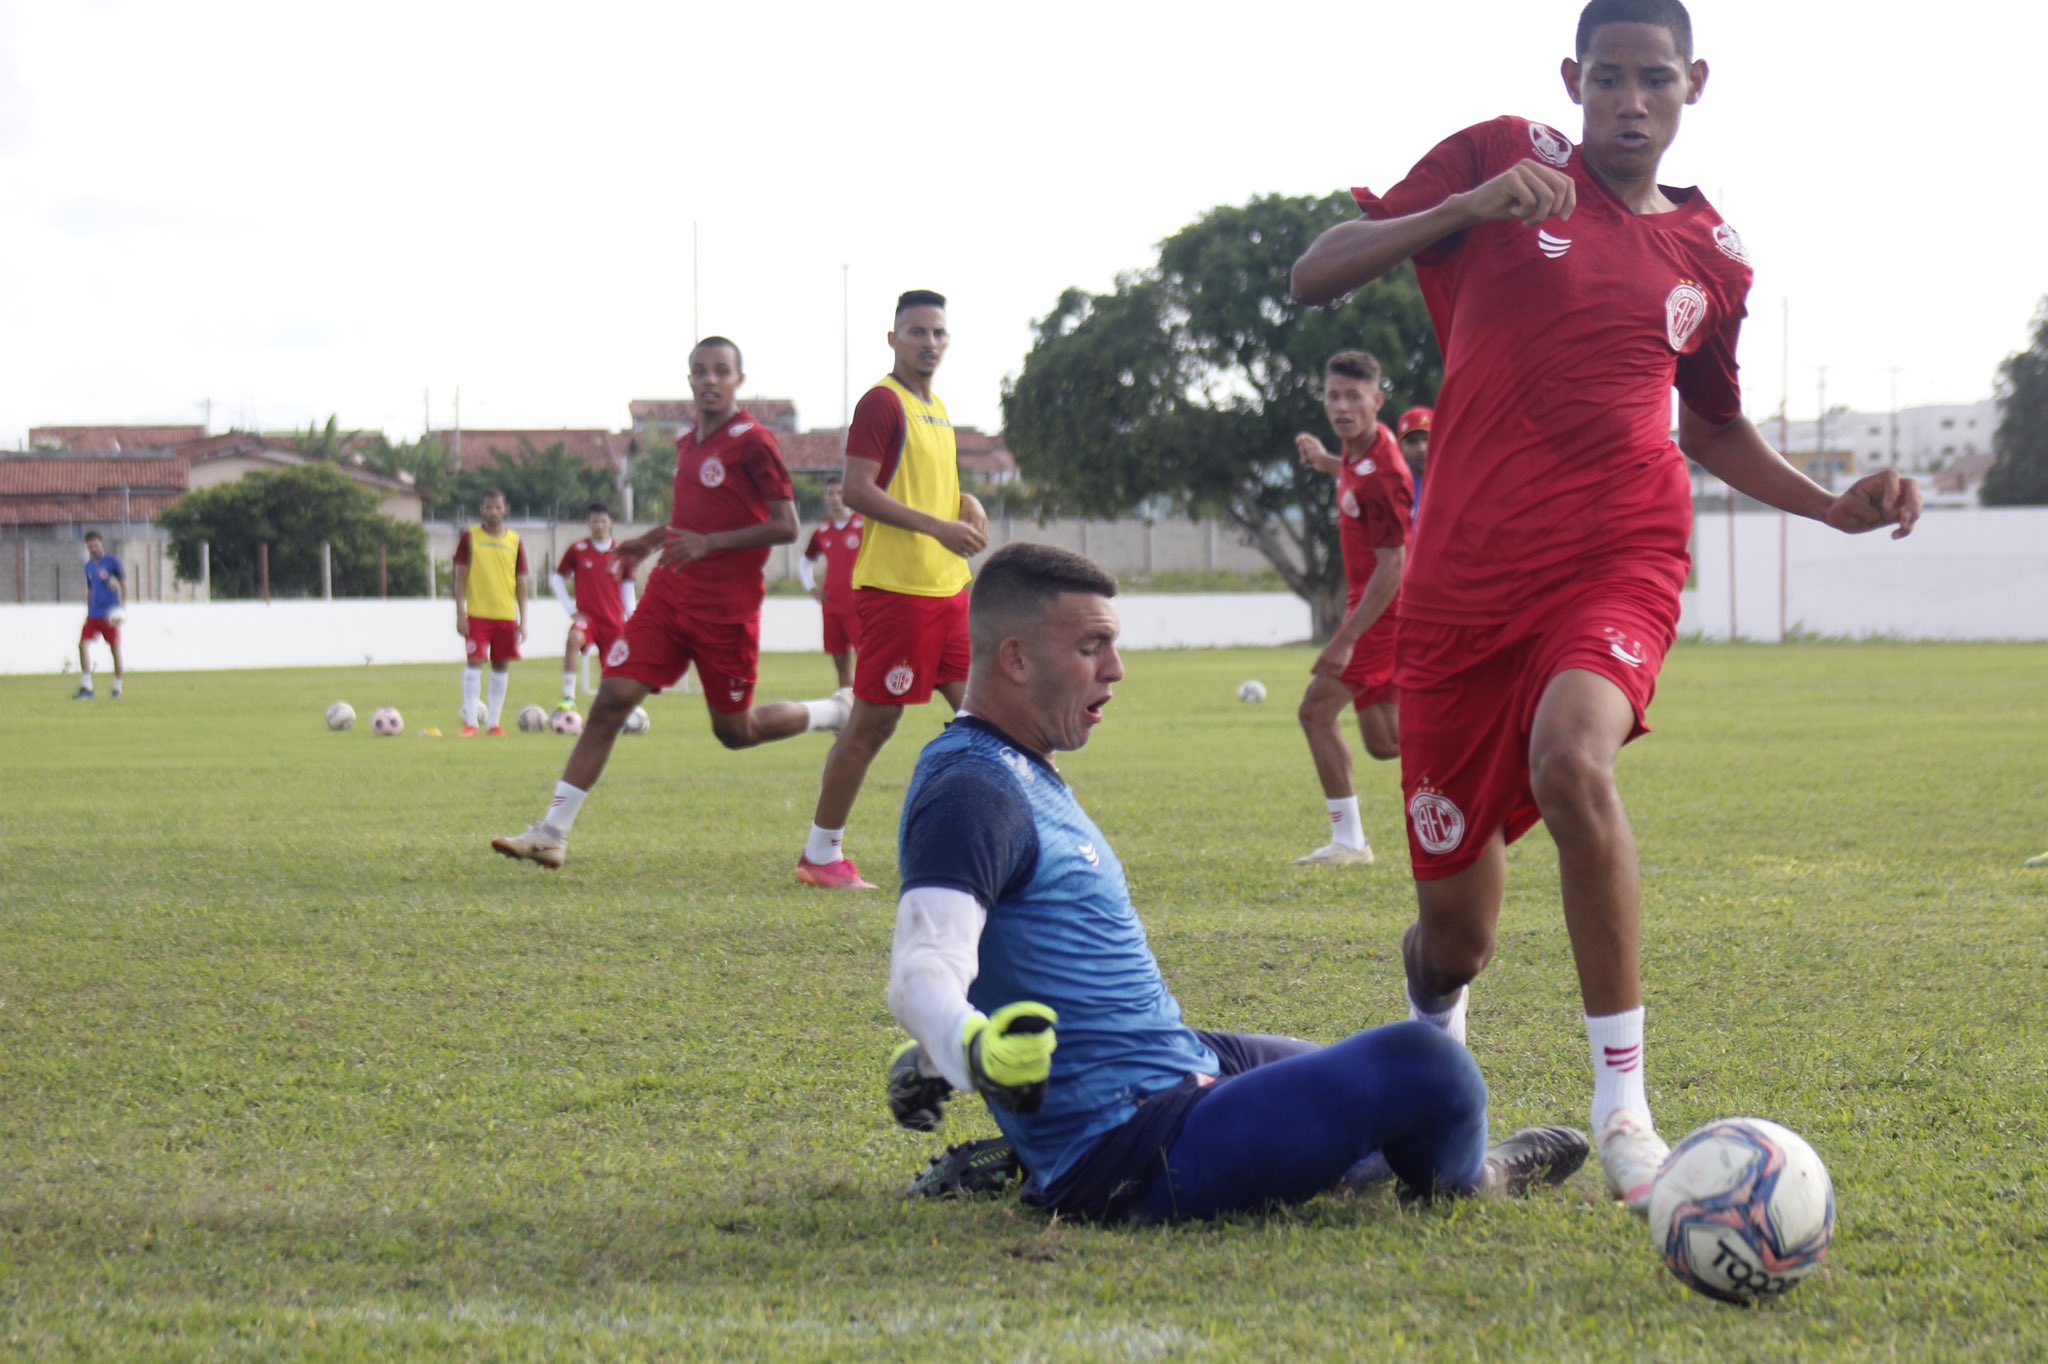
(258, 215)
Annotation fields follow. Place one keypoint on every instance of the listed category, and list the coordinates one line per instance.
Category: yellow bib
(926, 478)
(494, 574)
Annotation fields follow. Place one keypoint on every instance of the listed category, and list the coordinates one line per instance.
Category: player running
(733, 502)
(1020, 970)
(910, 579)
(1375, 504)
(836, 542)
(1570, 293)
(597, 614)
(106, 605)
(492, 583)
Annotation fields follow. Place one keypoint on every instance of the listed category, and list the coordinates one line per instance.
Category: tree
(546, 483)
(2019, 474)
(1183, 388)
(294, 510)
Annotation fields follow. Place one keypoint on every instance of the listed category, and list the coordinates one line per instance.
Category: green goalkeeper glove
(1010, 1054)
(916, 1100)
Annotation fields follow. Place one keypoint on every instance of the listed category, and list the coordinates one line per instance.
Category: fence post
(383, 577)
(263, 570)
(326, 571)
(21, 570)
(432, 590)
(206, 570)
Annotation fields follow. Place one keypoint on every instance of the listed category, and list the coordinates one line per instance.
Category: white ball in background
(1253, 690)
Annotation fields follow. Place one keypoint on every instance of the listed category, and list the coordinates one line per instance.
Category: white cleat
(1631, 1153)
(1336, 855)
(538, 844)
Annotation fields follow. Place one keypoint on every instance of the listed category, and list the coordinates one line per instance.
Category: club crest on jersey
(1549, 144)
(713, 472)
(853, 540)
(1347, 503)
(899, 679)
(1729, 242)
(1439, 825)
(1551, 244)
(617, 654)
(1685, 307)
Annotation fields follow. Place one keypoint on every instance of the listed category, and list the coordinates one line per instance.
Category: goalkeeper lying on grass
(1020, 970)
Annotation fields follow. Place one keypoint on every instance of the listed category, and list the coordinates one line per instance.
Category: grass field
(292, 1066)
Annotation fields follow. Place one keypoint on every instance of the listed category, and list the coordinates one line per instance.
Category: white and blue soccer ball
(1742, 1209)
(341, 715)
(1253, 690)
(639, 722)
(387, 722)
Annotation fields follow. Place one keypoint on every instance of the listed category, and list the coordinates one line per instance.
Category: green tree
(652, 473)
(1182, 390)
(547, 483)
(2019, 474)
(294, 510)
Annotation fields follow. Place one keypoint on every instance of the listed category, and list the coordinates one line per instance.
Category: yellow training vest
(493, 574)
(926, 478)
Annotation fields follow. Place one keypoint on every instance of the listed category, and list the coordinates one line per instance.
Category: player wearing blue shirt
(1020, 970)
(106, 597)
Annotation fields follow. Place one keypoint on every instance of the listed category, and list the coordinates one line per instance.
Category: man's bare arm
(863, 491)
(1737, 454)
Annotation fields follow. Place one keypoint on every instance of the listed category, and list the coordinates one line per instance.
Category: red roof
(112, 437)
(813, 451)
(50, 490)
(605, 450)
(777, 414)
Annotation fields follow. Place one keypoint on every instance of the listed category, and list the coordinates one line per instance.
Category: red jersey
(1375, 508)
(1551, 459)
(839, 546)
(724, 482)
(589, 571)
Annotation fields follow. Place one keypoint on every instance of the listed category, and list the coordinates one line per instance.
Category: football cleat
(1631, 1153)
(1531, 1157)
(538, 844)
(495, 732)
(565, 704)
(1336, 855)
(972, 1167)
(2041, 861)
(840, 875)
(82, 694)
(466, 732)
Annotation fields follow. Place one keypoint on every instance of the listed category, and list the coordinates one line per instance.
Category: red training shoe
(840, 875)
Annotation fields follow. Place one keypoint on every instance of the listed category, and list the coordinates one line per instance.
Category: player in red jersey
(1375, 502)
(837, 542)
(602, 601)
(1571, 292)
(732, 503)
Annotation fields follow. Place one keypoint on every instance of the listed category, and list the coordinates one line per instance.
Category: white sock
(569, 688)
(829, 711)
(1451, 1020)
(117, 686)
(1345, 828)
(85, 680)
(822, 847)
(500, 684)
(472, 687)
(562, 813)
(1617, 1045)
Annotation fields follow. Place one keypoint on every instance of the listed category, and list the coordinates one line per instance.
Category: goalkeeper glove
(916, 1100)
(1010, 1055)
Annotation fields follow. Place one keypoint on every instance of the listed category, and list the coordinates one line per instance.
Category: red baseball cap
(1414, 419)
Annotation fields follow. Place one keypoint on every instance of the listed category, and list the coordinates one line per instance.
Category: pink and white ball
(387, 722)
(1742, 1209)
(567, 722)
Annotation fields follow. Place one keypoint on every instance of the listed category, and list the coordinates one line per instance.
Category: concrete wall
(47, 570)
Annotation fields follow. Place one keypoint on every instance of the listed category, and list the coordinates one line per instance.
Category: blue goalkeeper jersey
(101, 596)
(987, 817)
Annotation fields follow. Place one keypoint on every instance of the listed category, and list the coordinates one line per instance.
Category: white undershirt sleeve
(935, 957)
(805, 576)
(560, 587)
(627, 597)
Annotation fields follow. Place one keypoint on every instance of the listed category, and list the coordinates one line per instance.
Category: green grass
(292, 1066)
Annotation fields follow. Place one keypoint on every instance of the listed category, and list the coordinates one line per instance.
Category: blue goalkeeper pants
(1286, 1130)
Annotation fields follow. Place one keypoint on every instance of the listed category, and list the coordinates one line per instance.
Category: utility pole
(1820, 429)
(845, 351)
(696, 329)
(1894, 461)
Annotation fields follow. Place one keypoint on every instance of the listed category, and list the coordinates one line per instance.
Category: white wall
(1978, 573)
(178, 636)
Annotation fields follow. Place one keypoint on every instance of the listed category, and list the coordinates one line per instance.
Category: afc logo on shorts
(476, 647)
(713, 472)
(618, 654)
(1439, 825)
(899, 679)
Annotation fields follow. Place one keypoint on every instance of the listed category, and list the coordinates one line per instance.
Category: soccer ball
(639, 722)
(1253, 690)
(567, 722)
(341, 715)
(387, 722)
(532, 719)
(1742, 1209)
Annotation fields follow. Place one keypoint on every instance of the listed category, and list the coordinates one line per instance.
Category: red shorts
(1468, 702)
(497, 638)
(660, 642)
(104, 628)
(842, 625)
(1370, 673)
(599, 634)
(909, 646)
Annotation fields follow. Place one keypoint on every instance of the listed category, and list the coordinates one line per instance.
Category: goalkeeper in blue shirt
(1020, 970)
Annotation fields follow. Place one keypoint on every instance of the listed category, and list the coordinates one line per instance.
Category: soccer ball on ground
(639, 722)
(387, 722)
(567, 722)
(1742, 1209)
(532, 719)
(1253, 690)
(341, 715)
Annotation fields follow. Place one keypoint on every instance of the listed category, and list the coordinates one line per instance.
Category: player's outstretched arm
(1738, 455)
(1354, 254)
(934, 958)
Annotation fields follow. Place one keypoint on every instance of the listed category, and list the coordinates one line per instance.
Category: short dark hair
(95, 535)
(834, 480)
(1668, 14)
(918, 298)
(1021, 579)
(1354, 364)
(489, 493)
(738, 361)
(596, 507)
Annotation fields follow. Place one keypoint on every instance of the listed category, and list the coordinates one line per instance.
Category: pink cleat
(840, 875)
